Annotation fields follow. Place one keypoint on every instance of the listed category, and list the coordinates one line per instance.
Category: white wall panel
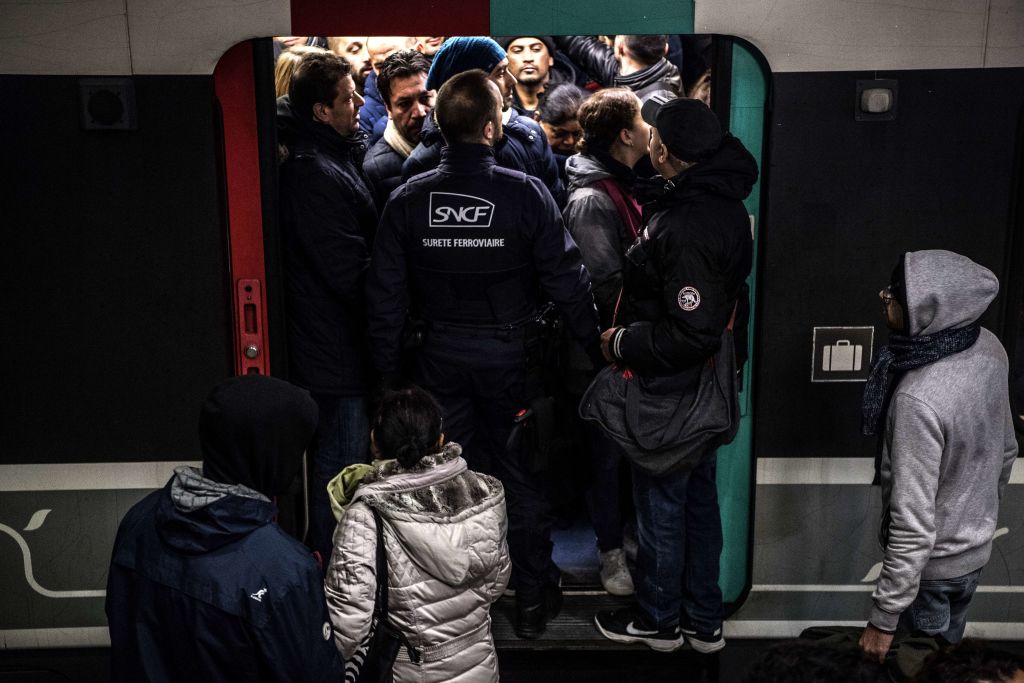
(840, 35)
(1005, 34)
(54, 37)
(189, 36)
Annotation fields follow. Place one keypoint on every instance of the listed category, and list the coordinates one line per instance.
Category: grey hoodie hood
(583, 171)
(945, 291)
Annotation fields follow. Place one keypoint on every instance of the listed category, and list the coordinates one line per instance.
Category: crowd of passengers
(439, 198)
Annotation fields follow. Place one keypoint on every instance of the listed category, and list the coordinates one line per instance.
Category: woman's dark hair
(604, 115)
(407, 425)
(561, 104)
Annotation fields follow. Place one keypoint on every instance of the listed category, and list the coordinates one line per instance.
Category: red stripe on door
(235, 90)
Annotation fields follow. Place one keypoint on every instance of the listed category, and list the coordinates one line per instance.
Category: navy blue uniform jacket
(472, 240)
(220, 593)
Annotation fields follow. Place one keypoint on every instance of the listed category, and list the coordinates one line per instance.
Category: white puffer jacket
(444, 533)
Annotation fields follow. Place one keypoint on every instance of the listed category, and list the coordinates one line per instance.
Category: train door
(739, 92)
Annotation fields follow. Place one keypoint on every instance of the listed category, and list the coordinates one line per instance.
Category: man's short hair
(465, 103)
(402, 64)
(316, 80)
(647, 50)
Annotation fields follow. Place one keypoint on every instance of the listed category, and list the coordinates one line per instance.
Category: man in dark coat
(467, 248)
(203, 585)
(402, 82)
(522, 146)
(635, 62)
(327, 222)
(683, 278)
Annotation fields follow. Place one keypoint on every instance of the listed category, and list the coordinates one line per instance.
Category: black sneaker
(629, 626)
(704, 643)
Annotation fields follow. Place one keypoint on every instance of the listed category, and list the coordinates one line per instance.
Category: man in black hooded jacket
(683, 278)
(203, 585)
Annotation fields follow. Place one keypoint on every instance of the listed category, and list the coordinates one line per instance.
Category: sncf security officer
(467, 248)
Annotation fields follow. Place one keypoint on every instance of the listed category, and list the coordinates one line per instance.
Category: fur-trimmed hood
(449, 520)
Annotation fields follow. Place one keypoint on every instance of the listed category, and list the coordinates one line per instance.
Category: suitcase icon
(842, 357)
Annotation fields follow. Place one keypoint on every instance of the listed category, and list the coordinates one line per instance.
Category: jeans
(940, 608)
(679, 538)
(603, 494)
(342, 439)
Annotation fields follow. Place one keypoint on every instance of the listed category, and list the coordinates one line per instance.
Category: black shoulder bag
(374, 659)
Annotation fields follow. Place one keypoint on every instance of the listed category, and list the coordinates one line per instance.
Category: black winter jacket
(473, 244)
(524, 147)
(599, 61)
(328, 219)
(684, 272)
(240, 598)
(383, 168)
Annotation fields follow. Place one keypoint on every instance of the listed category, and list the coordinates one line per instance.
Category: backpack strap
(627, 207)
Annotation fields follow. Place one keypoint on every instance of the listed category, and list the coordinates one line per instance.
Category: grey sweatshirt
(949, 440)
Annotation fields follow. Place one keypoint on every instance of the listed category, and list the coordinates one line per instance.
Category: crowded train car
(149, 258)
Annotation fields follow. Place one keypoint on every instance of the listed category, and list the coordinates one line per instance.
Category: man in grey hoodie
(948, 445)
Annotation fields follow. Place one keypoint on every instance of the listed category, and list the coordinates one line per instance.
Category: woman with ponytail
(444, 538)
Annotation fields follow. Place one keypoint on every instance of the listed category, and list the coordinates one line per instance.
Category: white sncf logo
(688, 298)
(451, 210)
(258, 595)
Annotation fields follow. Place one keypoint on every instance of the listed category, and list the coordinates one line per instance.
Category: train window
(713, 69)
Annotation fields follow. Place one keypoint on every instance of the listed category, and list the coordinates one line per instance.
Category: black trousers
(478, 377)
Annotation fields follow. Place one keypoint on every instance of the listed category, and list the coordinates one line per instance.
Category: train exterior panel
(128, 254)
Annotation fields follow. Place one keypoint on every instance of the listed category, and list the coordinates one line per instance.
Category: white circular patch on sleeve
(688, 298)
(327, 630)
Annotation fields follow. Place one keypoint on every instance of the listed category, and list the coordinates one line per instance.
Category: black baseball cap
(688, 128)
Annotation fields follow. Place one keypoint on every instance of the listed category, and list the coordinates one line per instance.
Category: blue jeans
(679, 534)
(940, 608)
(342, 439)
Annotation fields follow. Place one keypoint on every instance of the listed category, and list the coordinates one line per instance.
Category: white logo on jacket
(327, 630)
(258, 595)
(452, 210)
(688, 298)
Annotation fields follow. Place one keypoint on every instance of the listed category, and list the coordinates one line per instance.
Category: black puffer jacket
(383, 168)
(328, 219)
(523, 148)
(688, 267)
(598, 60)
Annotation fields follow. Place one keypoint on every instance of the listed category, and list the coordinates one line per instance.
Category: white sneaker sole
(620, 590)
(654, 643)
(705, 648)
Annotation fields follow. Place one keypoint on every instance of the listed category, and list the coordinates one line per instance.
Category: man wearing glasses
(938, 397)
